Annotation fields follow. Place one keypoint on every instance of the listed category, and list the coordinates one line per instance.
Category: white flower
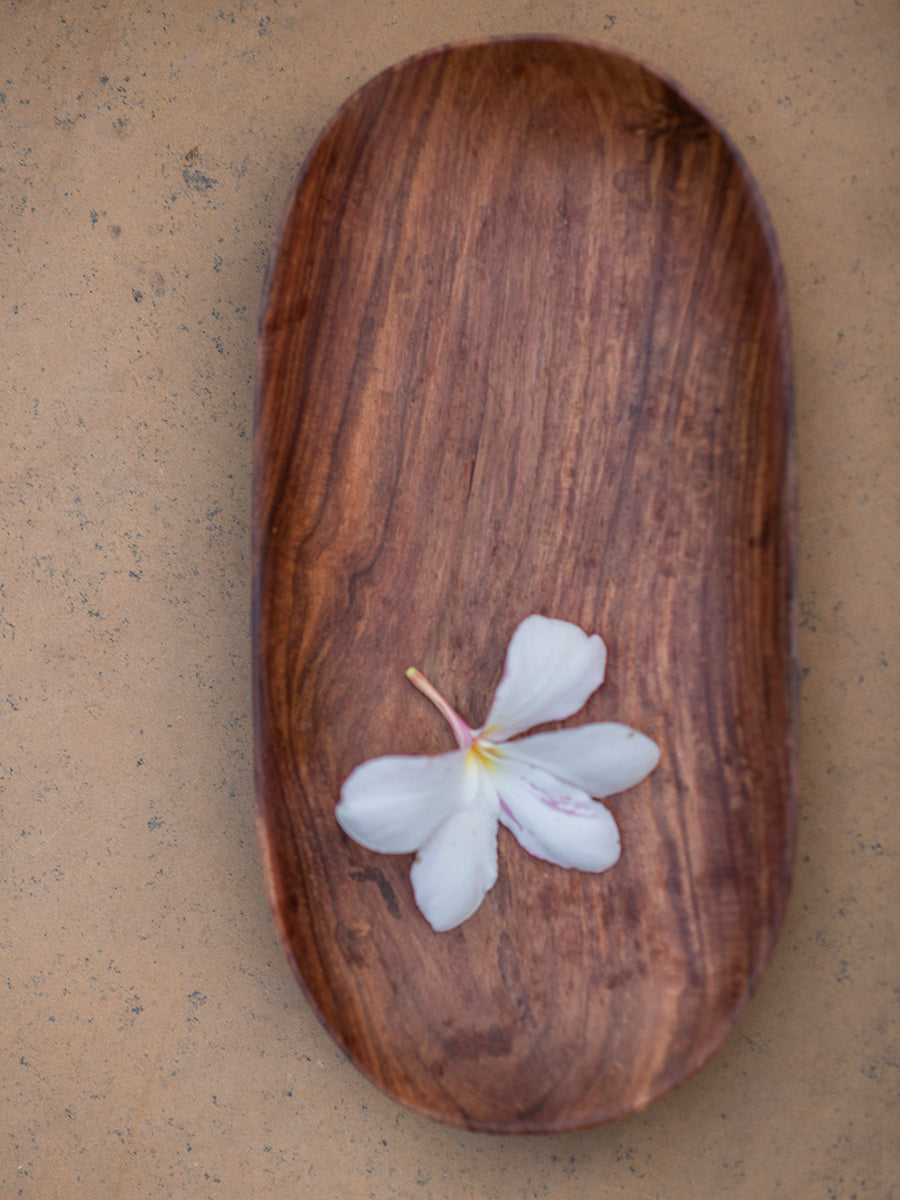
(447, 807)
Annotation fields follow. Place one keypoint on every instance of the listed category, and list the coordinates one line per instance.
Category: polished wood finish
(524, 349)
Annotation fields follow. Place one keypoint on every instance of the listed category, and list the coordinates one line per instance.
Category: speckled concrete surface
(154, 1042)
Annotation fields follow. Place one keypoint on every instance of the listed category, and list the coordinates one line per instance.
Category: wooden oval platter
(524, 349)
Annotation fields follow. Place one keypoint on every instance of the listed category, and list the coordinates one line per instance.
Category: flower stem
(461, 731)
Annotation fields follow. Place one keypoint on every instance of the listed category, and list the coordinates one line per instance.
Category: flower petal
(556, 822)
(602, 759)
(394, 804)
(551, 669)
(457, 866)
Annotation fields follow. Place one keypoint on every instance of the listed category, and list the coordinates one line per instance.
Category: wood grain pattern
(524, 349)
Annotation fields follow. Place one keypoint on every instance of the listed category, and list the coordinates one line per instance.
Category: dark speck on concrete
(195, 179)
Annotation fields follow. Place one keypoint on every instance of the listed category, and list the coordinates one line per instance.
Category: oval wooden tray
(524, 349)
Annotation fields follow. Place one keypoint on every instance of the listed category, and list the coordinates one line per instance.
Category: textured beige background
(154, 1043)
